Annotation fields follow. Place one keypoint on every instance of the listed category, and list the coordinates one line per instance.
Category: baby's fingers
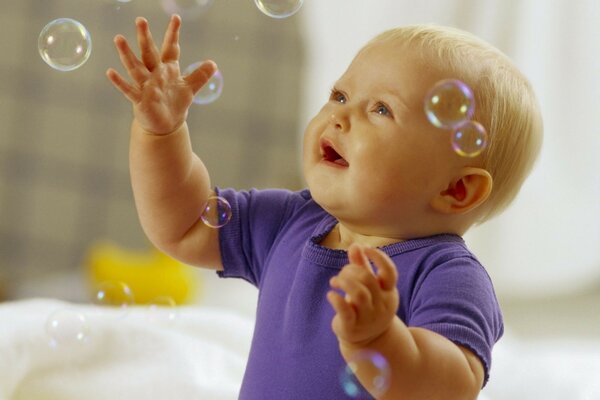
(344, 311)
(357, 291)
(386, 269)
(198, 78)
(170, 47)
(147, 47)
(356, 255)
(136, 70)
(121, 84)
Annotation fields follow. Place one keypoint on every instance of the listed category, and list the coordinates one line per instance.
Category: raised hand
(160, 95)
(371, 298)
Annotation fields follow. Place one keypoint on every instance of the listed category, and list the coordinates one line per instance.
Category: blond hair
(504, 103)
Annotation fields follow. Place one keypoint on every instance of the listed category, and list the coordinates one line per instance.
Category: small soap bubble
(67, 328)
(211, 90)
(162, 309)
(217, 212)
(449, 103)
(116, 4)
(65, 44)
(279, 8)
(119, 3)
(113, 294)
(188, 9)
(372, 363)
(469, 139)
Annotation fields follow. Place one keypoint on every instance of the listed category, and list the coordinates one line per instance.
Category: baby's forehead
(390, 54)
(394, 63)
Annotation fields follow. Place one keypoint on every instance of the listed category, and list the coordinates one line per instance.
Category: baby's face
(371, 158)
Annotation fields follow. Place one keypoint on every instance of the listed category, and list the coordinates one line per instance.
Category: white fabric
(548, 369)
(547, 242)
(138, 355)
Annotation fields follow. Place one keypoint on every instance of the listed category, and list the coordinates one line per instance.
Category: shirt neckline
(337, 258)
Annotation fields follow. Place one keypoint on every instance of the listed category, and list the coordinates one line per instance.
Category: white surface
(557, 369)
(137, 355)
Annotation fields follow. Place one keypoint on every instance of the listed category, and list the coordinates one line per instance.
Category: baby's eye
(382, 109)
(337, 96)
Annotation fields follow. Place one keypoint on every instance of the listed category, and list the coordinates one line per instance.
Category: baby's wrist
(347, 346)
(373, 341)
(160, 132)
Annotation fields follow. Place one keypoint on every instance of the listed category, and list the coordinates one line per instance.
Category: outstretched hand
(160, 95)
(371, 298)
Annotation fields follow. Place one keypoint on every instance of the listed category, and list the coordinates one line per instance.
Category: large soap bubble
(65, 44)
(211, 90)
(449, 103)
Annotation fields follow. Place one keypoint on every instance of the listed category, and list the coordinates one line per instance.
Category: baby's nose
(339, 121)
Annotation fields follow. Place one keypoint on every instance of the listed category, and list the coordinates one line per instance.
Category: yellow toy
(150, 275)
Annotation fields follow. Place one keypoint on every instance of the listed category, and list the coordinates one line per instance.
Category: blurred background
(64, 181)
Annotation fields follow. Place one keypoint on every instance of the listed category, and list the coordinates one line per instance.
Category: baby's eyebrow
(398, 101)
(337, 84)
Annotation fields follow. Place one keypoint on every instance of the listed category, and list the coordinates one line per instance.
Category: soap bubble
(211, 90)
(188, 9)
(117, 3)
(67, 328)
(217, 212)
(162, 309)
(449, 103)
(279, 8)
(113, 294)
(373, 363)
(469, 139)
(65, 44)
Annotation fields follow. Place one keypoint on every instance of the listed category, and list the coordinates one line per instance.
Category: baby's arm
(423, 364)
(170, 183)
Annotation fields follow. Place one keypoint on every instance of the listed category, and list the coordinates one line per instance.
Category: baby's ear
(465, 193)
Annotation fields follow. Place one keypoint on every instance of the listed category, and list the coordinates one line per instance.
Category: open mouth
(331, 155)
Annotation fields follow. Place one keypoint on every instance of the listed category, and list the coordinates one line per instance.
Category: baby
(370, 257)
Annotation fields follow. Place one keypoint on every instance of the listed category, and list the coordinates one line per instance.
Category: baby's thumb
(201, 75)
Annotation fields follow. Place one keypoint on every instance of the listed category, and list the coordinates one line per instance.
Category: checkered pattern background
(64, 180)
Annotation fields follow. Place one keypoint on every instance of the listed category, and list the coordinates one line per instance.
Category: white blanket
(142, 354)
(546, 369)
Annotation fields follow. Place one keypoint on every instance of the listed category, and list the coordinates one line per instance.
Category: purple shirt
(272, 242)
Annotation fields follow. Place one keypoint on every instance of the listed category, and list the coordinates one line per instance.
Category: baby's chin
(324, 202)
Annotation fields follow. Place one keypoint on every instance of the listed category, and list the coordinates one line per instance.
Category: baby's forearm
(170, 184)
(423, 365)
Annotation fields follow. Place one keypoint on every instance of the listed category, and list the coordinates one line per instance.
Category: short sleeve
(246, 240)
(456, 299)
